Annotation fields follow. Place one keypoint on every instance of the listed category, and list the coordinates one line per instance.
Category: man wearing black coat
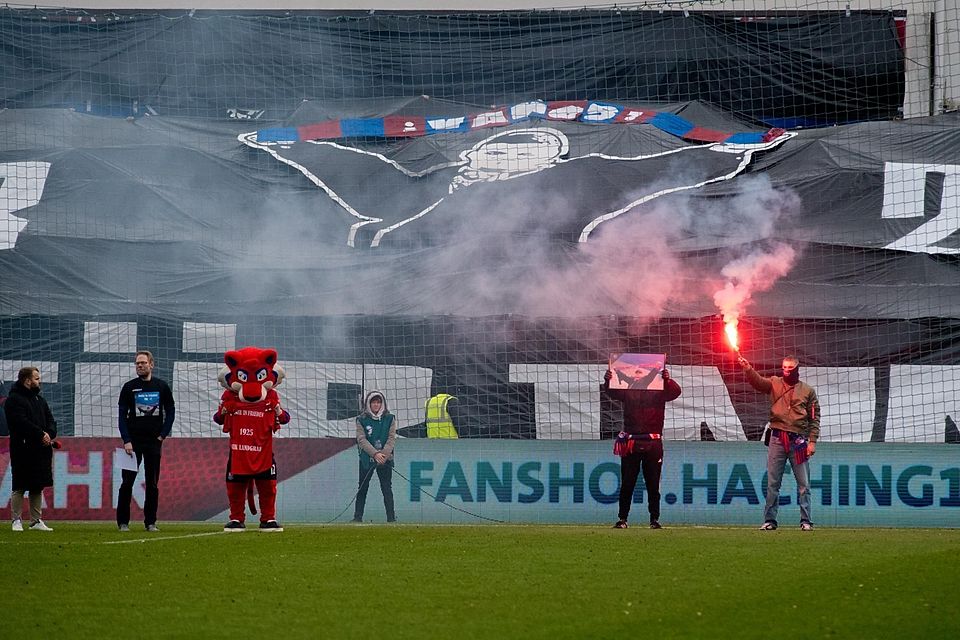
(32, 433)
(640, 444)
(145, 421)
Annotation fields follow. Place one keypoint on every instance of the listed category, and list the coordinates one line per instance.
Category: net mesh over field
(489, 205)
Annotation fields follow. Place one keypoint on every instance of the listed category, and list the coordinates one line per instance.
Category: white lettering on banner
(246, 447)
(96, 390)
(49, 371)
(21, 185)
(921, 417)
(600, 112)
(209, 337)
(110, 337)
(489, 119)
(567, 398)
(904, 190)
(303, 394)
(848, 401)
(407, 390)
(197, 394)
(704, 399)
(442, 124)
(567, 402)
(567, 112)
(528, 109)
(92, 479)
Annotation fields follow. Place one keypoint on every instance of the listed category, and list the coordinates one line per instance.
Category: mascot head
(250, 373)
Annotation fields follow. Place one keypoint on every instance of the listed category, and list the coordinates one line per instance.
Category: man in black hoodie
(146, 414)
(640, 444)
(32, 433)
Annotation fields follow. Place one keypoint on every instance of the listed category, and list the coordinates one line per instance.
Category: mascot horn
(250, 413)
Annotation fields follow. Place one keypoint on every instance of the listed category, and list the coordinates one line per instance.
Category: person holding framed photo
(640, 443)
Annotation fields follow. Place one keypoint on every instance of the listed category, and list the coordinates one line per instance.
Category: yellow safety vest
(439, 423)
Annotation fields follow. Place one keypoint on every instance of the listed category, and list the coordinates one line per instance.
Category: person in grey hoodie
(376, 437)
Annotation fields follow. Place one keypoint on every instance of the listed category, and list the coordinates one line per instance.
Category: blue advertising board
(703, 483)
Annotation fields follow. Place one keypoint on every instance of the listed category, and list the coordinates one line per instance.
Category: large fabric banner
(797, 67)
(636, 219)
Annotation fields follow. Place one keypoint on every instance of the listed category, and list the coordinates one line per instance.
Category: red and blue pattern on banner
(598, 112)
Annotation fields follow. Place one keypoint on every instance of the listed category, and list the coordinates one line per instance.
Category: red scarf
(797, 443)
(624, 443)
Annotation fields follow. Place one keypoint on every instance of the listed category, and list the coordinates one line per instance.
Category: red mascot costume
(250, 412)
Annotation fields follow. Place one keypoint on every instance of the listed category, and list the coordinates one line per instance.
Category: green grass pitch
(87, 580)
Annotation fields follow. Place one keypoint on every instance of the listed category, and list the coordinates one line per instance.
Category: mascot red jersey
(250, 412)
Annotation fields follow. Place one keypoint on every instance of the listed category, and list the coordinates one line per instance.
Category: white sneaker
(39, 525)
(18, 525)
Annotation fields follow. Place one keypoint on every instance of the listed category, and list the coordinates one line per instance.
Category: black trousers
(148, 453)
(648, 456)
(385, 474)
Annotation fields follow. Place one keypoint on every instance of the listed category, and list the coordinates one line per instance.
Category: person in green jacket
(376, 438)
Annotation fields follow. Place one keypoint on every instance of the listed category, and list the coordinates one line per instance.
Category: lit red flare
(732, 337)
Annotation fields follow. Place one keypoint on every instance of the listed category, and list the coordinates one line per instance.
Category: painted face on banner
(598, 171)
(513, 153)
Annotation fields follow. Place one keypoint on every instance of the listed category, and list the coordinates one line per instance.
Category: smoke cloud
(754, 272)
(649, 262)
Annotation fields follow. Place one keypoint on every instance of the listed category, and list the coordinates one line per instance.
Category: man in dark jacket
(640, 444)
(32, 433)
(145, 420)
